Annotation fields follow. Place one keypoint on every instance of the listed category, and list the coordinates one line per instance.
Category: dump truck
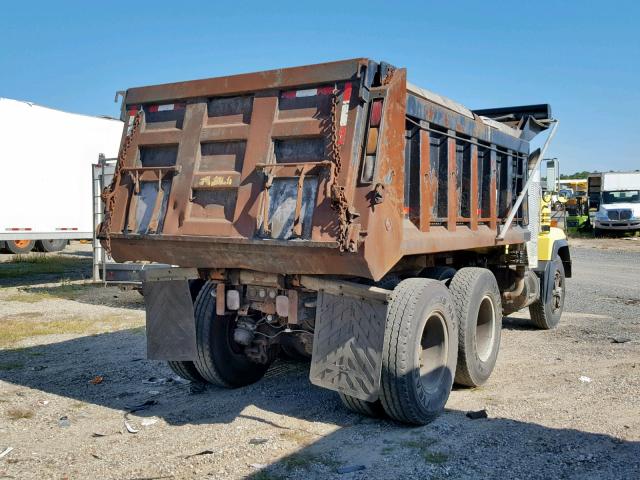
(337, 213)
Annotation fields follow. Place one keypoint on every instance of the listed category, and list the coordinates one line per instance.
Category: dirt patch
(625, 244)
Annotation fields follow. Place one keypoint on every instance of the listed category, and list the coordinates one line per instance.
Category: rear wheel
(440, 273)
(370, 409)
(419, 352)
(51, 245)
(221, 361)
(185, 368)
(477, 301)
(546, 311)
(19, 246)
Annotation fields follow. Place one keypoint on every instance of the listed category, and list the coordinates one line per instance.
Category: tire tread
(204, 308)
(186, 370)
(370, 409)
(460, 287)
(396, 383)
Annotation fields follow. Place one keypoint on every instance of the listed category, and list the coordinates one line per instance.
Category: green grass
(40, 263)
(18, 327)
(19, 413)
(297, 436)
(299, 460)
(422, 447)
(267, 476)
(435, 457)
(7, 366)
(305, 460)
(66, 290)
(419, 444)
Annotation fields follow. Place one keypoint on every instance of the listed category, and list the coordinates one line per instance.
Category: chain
(389, 76)
(338, 199)
(334, 148)
(109, 193)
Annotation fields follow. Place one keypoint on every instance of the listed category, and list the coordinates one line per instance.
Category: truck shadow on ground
(518, 323)
(383, 447)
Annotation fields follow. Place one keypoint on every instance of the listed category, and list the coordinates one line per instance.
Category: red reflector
(152, 108)
(376, 113)
(325, 90)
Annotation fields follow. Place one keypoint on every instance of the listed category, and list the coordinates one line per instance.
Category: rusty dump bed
(338, 168)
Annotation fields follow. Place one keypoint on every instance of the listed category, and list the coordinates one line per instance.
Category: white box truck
(46, 156)
(615, 199)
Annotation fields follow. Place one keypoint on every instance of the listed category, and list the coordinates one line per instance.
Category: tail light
(373, 133)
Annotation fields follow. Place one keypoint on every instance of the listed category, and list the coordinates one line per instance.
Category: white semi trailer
(46, 156)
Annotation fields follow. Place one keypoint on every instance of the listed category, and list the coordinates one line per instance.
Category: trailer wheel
(419, 352)
(19, 246)
(50, 246)
(221, 361)
(185, 368)
(477, 300)
(545, 314)
(370, 409)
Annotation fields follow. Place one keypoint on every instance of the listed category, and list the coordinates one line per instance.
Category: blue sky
(581, 57)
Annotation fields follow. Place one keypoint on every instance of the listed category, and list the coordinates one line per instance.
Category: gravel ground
(560, 404)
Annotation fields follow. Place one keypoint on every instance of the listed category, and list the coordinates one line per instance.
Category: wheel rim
(434, 350)
(21, 243)
(485, 328)
(558, 292)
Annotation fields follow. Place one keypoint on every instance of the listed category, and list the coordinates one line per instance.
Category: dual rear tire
(419, 354)
(479, 311)
(435, 335)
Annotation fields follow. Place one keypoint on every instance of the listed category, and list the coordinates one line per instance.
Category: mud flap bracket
(347, 346)
(171, 330)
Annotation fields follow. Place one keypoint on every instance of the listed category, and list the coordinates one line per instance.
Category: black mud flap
(171, 328)
(347, 345)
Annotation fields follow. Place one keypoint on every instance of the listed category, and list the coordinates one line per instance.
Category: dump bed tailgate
(241, 157)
